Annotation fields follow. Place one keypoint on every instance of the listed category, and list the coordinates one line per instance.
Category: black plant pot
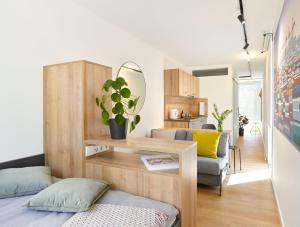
(241, 131)
(118, 131)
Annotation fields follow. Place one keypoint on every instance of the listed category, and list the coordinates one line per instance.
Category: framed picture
(287, 72)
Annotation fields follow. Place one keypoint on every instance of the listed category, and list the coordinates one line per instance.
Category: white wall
(286, 183)
(40, 32)
(219, 91)
(267, 104)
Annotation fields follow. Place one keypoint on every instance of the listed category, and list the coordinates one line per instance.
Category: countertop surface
(186, 119)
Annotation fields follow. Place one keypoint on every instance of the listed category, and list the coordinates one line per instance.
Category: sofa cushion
(163, 134)
(180, 135)
(223, 145)
(210, 166)
(189, 135)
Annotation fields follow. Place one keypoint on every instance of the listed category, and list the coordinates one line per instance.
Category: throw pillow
(24, 181)
(69, 195)
(207, 143)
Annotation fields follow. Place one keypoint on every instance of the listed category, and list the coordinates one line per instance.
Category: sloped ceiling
(195, 32)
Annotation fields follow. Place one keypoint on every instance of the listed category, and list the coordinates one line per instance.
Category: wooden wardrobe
(70, 113)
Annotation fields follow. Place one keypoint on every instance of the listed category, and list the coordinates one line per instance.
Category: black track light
(246, 46)
(241, 18)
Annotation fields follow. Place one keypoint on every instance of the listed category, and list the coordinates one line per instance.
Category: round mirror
(134, 77)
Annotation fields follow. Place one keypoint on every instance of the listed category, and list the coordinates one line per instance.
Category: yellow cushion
(207, 143)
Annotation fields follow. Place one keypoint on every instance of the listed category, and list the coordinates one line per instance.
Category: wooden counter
(126, 172)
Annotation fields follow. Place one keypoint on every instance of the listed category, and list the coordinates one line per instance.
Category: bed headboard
(37, 160)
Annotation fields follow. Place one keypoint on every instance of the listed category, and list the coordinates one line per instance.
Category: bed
(14, 214)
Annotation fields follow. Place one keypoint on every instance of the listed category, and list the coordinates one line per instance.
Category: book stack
(160, 162)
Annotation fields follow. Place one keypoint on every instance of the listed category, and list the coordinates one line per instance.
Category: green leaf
(118, 108)
(121, 81)
(132, 126)
(97, 101)
(216, 110)
(116, 97)
(130, 104)
(103, 99)
(137, 119)
(136, 102)
(125, 92)
(107, 85)
(105, 117)
(116, 85)
(120, 119)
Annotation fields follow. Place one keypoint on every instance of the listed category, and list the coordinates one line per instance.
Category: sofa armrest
(223, 147)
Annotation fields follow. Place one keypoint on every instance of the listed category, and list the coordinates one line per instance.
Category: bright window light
(242, 178)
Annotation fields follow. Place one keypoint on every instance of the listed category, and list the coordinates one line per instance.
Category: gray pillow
(69, 195)
(24, 181)
(180, 135)
(189, 135)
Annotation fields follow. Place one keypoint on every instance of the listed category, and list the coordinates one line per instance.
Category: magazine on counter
(160, 162)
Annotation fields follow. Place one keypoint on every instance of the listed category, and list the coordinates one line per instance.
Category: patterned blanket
(107, 215)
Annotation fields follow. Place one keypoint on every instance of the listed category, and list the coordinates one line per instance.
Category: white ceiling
(195, 32)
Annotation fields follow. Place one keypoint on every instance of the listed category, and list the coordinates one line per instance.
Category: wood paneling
(176, 124)
(120, 178)
(180, 83)
(70, 113)
(171, 82)
(189, 191)
(63, 112)
(184, 104)
(125, 171)
(146, 144)
(95, 77)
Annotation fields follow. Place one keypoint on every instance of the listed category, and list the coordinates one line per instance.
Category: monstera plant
(220, 117)
(123, 106)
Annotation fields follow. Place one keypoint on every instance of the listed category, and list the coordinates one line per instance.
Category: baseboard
(36, 160)
(278, 206)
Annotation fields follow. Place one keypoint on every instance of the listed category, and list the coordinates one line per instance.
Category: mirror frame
(141, 71)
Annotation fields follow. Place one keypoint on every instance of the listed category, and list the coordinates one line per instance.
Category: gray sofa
(209, 171)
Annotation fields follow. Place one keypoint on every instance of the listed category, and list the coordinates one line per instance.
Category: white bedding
(13, 214)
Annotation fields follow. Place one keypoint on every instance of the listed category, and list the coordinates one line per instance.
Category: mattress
(14, 214)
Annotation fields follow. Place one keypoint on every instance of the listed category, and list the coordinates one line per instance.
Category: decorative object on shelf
(124, 104)
(220, 117)
(243, 120)
(186, 115)
(173, 114)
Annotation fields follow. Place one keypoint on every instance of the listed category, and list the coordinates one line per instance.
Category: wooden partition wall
(70, 113)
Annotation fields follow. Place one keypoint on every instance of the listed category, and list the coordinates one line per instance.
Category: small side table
(236, 148)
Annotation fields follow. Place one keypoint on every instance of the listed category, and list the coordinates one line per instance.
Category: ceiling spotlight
(246, 46)
(241, 18)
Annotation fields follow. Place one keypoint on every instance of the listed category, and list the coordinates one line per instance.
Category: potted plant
(220, 117)
(122, 102)
(243, 120)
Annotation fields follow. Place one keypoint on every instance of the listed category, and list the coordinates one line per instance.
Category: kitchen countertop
(186, 119)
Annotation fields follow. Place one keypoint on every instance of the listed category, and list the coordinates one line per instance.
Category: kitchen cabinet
(180, 83)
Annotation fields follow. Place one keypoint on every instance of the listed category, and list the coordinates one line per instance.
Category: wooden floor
(248, 199)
